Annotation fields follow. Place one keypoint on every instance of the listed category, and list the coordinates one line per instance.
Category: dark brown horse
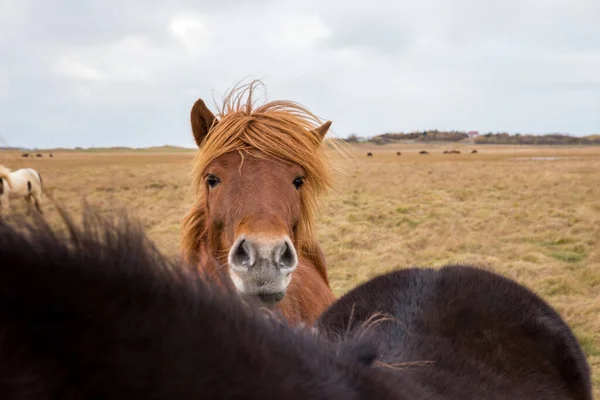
(369, 154)
(100, 314)
(258, 175)
(398, 153)
(464, 333)
(425, 152)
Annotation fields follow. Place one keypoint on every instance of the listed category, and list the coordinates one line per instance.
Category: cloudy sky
(126, 73)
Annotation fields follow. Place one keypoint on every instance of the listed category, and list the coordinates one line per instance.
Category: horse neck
(315, 258)
(309, 293)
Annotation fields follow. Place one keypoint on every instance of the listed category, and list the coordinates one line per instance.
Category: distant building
(472, 136)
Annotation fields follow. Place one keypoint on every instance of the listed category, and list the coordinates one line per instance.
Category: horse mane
(93, 310)
(5, 174)
(279, 129)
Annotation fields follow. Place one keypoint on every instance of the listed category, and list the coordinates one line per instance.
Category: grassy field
(535, 220)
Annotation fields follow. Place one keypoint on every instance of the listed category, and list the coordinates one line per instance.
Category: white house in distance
(472, 136)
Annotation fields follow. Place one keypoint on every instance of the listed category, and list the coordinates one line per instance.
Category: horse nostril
(286, 256)
(242, 254)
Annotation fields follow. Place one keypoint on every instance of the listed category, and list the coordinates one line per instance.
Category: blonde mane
(279, 129)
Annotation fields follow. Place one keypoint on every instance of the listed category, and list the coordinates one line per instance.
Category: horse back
(34, 175)
(464, 332)
(25, 179)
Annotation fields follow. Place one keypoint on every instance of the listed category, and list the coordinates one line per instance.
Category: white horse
(24, 182)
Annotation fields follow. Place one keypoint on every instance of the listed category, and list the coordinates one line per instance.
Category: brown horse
(257, 177)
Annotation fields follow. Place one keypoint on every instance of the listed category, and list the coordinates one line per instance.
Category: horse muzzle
(262, 267)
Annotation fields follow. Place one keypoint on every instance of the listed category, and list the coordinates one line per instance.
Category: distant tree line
(423, 136)
(352, 138)
(488, 138)
(548, 139)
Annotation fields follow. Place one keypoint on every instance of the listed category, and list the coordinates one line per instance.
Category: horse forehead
(259, 184)
(265, 167)
(257, 167)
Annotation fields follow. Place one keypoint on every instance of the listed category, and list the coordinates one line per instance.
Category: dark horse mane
(96, 312)
(99, 313)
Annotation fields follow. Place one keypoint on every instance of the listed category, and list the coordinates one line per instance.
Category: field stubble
(536, 221)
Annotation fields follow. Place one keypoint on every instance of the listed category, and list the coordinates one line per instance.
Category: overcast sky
(110, 73)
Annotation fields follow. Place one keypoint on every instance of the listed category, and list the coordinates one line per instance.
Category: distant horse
(423, 152)
(473, 151)
(22, 183)
(446, 152)
(257, 177)
(398, 153)
(38, 155)
(454, 151)
(51, 155)
(463, 332)
(25, 155)
(101, 314)
(369, 154)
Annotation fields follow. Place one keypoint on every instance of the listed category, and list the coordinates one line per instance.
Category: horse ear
(321, 131)
(202, 121)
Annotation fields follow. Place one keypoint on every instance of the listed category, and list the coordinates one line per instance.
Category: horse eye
(298, 182)
(212, 181)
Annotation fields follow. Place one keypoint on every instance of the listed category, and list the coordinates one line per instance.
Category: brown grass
(537, 221)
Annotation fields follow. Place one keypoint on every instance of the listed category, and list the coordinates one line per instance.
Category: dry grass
(537, 221)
